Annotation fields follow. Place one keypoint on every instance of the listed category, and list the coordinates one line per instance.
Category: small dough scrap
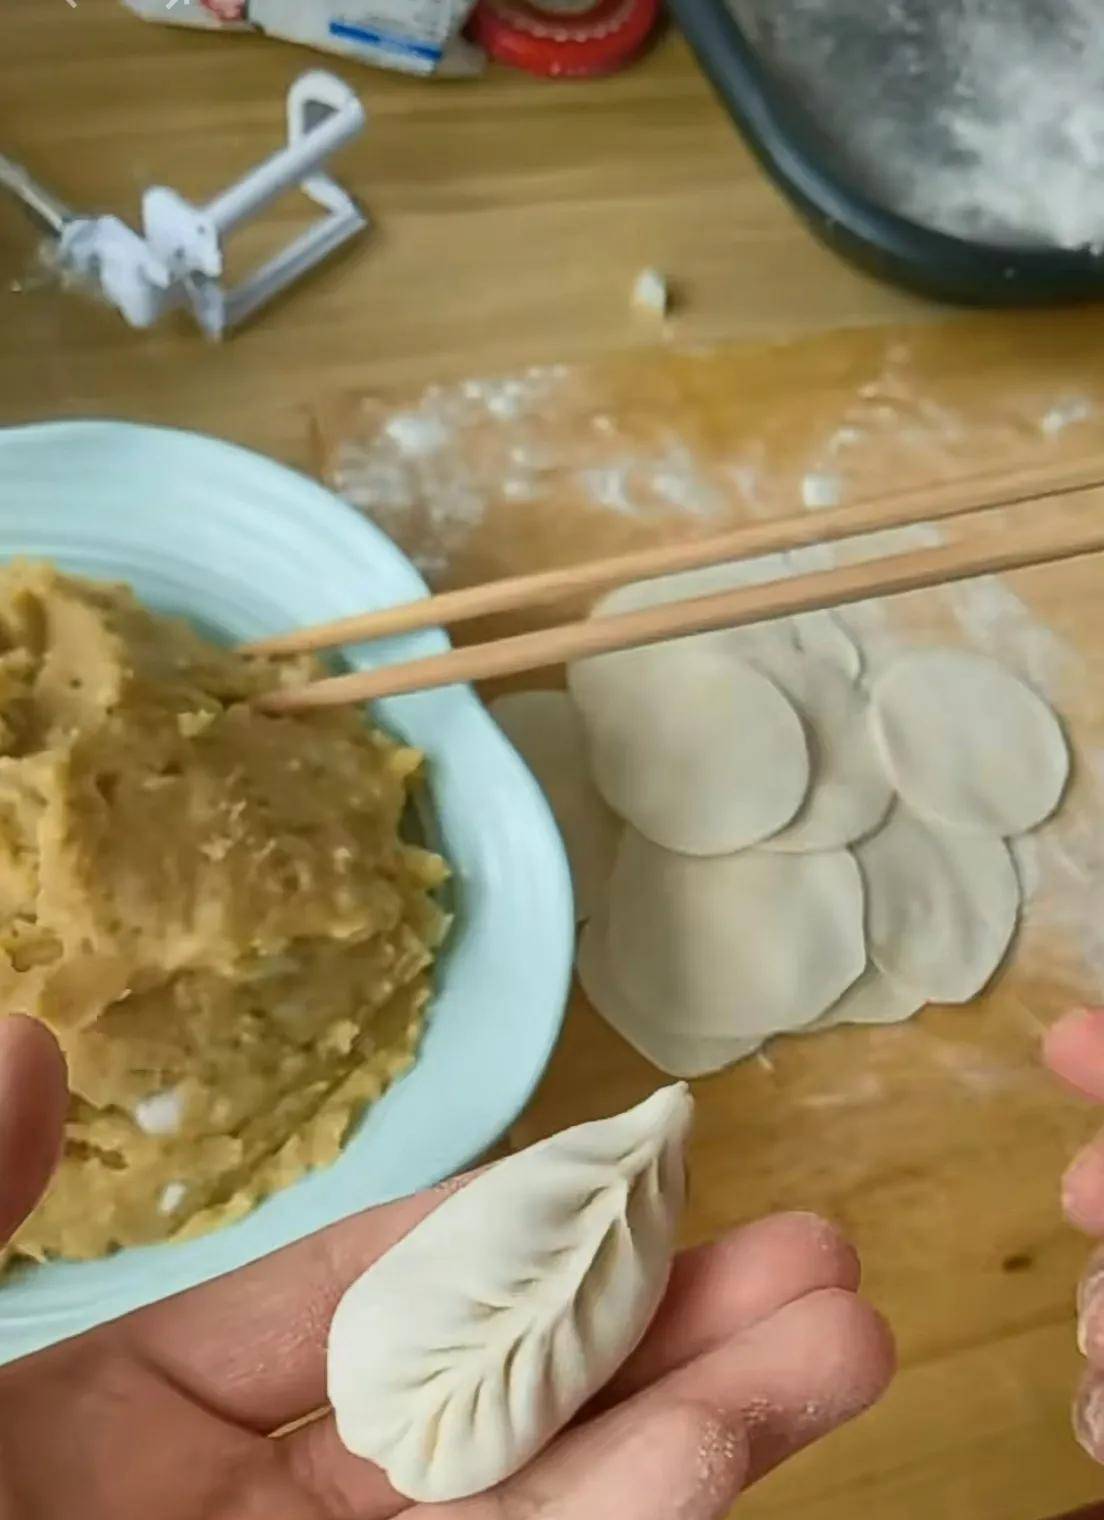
(664, 1044)
(650, 293)
(850, 793)
(700, 752)
(739, 946)
(545, 729)
(942, 905)
(467, 1346)
(967, 743)
(874, 999)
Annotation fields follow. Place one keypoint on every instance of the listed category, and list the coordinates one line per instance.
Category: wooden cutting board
(937, 1145)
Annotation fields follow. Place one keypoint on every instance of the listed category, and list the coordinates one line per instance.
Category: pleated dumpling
(458, 1354)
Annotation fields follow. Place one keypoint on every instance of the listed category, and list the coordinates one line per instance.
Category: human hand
(760, 1347)
(1074, 1050)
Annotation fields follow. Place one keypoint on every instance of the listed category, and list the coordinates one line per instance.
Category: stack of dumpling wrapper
(767, 838)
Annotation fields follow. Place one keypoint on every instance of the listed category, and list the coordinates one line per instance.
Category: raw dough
(850, 792)
(708, 581)
(817, 633)
(467, 1346)
(739, 946)
(546, 730)
(941, 905)
(967, 743)
(697, 750)
(664, 1044)
(822, 635)
(212, 909)
(874, 999)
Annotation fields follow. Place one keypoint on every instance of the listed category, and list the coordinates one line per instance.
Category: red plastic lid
(561, 38)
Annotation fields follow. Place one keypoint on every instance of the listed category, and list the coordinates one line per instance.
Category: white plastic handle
(323, 115)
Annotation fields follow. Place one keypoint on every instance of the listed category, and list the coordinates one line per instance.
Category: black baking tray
(799, 158)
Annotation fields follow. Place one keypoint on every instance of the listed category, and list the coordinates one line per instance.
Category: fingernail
(1083, 1181)
(1080, 1016)
(1088, 1417)
(1090, 1309)
(1073, 1027)
(1087, 1326)
(1071, 1177)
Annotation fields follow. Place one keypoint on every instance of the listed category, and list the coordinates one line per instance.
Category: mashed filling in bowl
(213, 909)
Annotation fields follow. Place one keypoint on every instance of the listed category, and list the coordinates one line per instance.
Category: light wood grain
(513, 216)
(543, 587)
(937, 1145)
(1045, 541)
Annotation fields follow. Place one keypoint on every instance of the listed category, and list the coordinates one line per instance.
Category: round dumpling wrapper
(818, 633)
(967, 743)
(850, 792)
(662, 1043)
(709, 580)
(739, 946)
(698, 751)
(942, 905)
(874, 998)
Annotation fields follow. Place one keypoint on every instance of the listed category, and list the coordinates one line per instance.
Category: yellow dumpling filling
(213, 909)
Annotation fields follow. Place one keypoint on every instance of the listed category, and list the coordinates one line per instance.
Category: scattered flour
(1064, 414)
(867, 1089)
(998, 623)
(668, 476)
(431, 473)
(417, 436)
(608, 486)
(416, 477)
(982, 118)
(513, 396)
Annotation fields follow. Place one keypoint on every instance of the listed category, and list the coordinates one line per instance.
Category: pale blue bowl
(245, 547)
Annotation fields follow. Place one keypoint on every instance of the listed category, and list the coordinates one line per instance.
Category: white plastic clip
(323, 115)
(178, 261)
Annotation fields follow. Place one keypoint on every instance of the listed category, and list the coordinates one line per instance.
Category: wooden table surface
(512, 216)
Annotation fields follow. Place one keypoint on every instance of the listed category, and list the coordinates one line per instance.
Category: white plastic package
(414, 36)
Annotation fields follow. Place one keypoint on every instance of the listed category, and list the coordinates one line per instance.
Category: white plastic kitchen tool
(177, 261)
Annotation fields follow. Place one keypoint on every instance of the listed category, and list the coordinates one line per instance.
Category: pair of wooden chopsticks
(987, 553)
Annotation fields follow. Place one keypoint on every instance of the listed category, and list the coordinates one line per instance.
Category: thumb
(670, 1460)
(33, 1102)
